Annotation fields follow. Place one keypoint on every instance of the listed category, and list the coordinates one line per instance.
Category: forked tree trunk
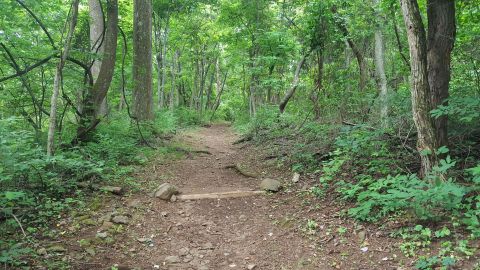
(427, 65)
(97, 94)
(58, 79)
(142, 60)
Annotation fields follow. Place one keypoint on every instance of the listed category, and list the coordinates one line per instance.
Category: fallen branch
(19, 224)
(244, 139)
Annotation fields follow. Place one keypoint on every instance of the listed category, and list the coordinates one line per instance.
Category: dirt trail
(256, 232)
(233, 233)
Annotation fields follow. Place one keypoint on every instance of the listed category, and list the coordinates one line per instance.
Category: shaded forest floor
(286, 230)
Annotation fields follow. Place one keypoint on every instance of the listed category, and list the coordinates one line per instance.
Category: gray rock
(183, 251)
(269, 184)
(101, 235)
(120, 219)
(173, 198)
(165, 191)
(111, 189)
(172, 259)
(251, 266)
(361, 236)
(42, 251)
(57, 249)
(296, 177)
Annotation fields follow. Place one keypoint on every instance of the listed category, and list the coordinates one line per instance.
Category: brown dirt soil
(265, 231)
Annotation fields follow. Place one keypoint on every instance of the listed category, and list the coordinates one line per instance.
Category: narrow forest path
(233, 233)
(255, 232)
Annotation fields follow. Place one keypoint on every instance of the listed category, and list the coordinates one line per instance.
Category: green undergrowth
(375, 171)
(36, 189)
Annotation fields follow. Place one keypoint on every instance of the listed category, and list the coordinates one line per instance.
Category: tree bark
(440, 42)
(58, 77)
(95, 96)
(142, 60)
(380, 69)
(427, 141)
(294, 86)
(97, 28)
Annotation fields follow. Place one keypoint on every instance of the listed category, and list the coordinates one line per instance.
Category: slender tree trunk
(173, 73)
(218, 84)
(164, 62)
(97, 28)
(195, 84)
(294, 86)
(219, 96)
(180, 81)
(380, 69)
(315, 95)
(142, 60)
(58, 77)
(362, 63)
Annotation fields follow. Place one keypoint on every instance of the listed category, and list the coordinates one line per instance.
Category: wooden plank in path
(220, 195)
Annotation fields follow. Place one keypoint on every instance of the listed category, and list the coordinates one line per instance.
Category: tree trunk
(98, 92)
(58, 79)
(173, 73)
(427, 141)
(142, 60)
(294, 86)
(362, 64)
(440, 42)
(380, 69)
(164, 62)
(97, 28)
(315, 95)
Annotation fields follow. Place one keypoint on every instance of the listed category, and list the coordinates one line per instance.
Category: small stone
(164, 214)
(183, 251)
(296, 177)
(105, 226)
(120, 219)
(144, 240)
(361, 236)
(113, 190)
(88, 222)
(207, 246)
(251, 266)
(101, 235)
(134, 203)
(165, 191)
(90, 251)
(173, 198)
(57, 249)
(42, 251)
(172, 259)
(364, 249)
(188, 258)
(269, 184)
